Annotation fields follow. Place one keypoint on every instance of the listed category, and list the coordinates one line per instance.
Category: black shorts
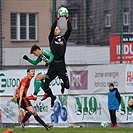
(57, 69)
(25, 103)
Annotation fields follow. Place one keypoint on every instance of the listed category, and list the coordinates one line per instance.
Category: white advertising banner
(9, 79)
(86, 100)
(68, 109)
(94, 108)
(100, 76)
(96, 79)
(83, 80)
(10, 113)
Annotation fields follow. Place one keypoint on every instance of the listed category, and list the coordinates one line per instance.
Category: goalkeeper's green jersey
(46, 56)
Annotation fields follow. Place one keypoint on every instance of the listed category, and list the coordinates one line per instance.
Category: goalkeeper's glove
(46, 64)
(67, 17)
(57, 17)
(25, 57)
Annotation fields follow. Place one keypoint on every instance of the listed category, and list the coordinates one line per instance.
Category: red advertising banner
(127, 48)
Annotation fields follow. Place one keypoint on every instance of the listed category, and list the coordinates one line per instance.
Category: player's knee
(31, 112)
(35, 113)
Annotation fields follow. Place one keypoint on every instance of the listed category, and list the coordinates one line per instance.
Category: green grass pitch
(72, 130)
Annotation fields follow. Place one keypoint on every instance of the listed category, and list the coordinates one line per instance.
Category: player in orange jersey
(23, 102)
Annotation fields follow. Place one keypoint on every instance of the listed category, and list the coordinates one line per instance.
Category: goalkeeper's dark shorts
(56, 68)
(24, 103)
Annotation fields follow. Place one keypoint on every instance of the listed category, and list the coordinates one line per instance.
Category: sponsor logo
(126, 49)
(129, 78)
(78, 80)
(7, 82)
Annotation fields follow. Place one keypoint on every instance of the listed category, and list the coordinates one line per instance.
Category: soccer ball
(104, 124)
(63, 12)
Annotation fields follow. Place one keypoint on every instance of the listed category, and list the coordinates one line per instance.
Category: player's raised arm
(63, 12)
(34, 62)
(69, 30)
(51, 35)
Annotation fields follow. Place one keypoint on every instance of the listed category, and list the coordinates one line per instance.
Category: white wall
(74, 55)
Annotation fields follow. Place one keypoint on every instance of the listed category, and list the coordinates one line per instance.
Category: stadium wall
(85, 101)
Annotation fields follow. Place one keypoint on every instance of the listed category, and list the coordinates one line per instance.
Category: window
(108, 20)
(23, 26)
(126, 19)
(74, 23)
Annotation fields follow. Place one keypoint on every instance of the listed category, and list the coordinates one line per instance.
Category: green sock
(42, 86)
(37, 85)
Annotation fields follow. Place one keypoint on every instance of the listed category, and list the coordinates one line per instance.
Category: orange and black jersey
(26, 83)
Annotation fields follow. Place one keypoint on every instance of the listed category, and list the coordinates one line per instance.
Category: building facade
(95, 20)
(26, 22)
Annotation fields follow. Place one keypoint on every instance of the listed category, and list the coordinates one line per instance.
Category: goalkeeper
(47, 57)
(58, 48)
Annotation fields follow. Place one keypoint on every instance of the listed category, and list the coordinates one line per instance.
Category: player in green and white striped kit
(47, 57)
